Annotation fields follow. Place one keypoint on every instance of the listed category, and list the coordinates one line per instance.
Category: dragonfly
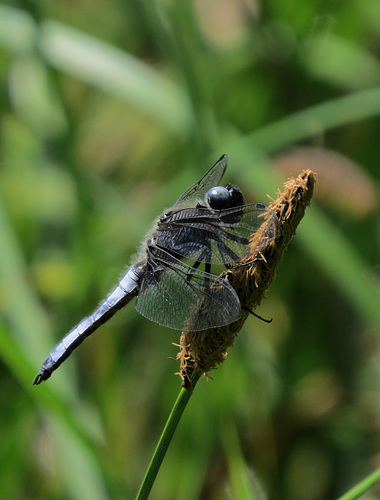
(208, 224)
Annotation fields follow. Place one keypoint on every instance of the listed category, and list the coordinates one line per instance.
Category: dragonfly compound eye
(218, 198)
(236, 196)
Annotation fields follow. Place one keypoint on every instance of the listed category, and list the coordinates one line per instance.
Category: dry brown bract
(201, 351)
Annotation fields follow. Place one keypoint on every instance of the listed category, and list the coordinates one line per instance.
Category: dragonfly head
(220, 198)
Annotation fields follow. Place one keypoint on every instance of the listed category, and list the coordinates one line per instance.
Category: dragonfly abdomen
(119, 297)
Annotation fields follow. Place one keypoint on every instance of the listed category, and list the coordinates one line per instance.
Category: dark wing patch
(180, 297)
(215, 237)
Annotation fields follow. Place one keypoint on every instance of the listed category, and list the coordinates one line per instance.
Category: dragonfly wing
(197, 192)
(215, 237)
(180, 297)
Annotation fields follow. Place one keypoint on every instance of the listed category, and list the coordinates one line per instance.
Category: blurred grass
(108, 112)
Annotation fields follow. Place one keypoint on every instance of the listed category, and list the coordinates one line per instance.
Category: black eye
(219, 198)
(236, 196)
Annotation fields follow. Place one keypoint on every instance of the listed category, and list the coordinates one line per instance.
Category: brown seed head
(201, 351)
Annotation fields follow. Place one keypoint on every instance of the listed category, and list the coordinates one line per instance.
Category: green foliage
(109, 110)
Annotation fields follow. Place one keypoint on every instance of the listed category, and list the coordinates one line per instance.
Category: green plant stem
(359, 489)
(165, 439)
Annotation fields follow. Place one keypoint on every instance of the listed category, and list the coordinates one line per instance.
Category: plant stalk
(165, 439)
(365, 485)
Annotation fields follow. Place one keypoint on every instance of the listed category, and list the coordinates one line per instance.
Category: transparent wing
(196, 193)
(215, 237)
(180, 297)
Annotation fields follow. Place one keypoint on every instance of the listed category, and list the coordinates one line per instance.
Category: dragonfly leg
(196, 264)
(248, 262)
(257, 316)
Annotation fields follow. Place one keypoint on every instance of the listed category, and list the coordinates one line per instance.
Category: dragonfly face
(208, 224)
(220, 198)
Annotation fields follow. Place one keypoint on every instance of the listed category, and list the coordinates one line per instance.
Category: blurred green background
(109, 110)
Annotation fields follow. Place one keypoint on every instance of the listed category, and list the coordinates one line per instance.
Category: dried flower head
(201, 351)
